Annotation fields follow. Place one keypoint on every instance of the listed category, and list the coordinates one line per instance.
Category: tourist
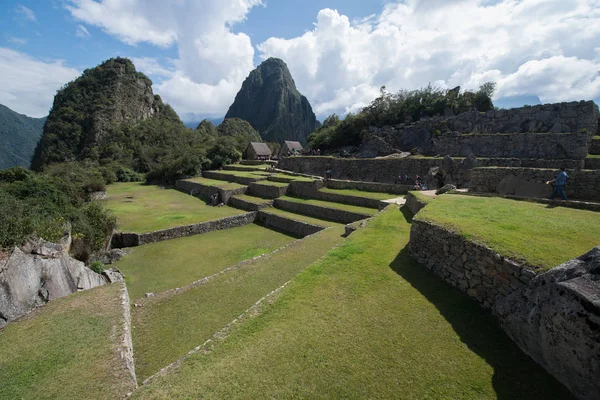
(559, 185)
(214, 199)
(406, 178)
(318, 152)
(329, 174)
(399, 179)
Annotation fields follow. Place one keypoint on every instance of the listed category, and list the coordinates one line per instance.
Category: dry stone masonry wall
(231, 178)
(330, 214)
(266, 191)
(530, 182)
(287, 225)
(471, 267)
(124, 239)
(205, 191)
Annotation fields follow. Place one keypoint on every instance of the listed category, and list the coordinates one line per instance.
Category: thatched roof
(261, 149)
(294, 145)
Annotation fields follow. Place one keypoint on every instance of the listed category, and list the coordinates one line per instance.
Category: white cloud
(542, 47)
(26, 13)
(213, 60)
(82, 32)
(28, 85)
(18, 41)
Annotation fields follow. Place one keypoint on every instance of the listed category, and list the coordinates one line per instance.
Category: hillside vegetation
(402, 107)
(18, 136)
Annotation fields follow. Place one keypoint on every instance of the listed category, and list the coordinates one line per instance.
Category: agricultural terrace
(361, 193)
(67, 349)
(365, 321)
(187, 259)
(537, 234)
(143, 208)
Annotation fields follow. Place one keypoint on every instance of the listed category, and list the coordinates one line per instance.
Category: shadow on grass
(516, 376)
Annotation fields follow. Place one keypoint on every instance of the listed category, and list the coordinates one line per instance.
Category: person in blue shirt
(559, 185)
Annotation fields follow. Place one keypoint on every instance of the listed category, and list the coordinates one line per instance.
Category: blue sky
(340, 52)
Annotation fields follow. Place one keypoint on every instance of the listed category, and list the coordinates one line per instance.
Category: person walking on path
(559, 185)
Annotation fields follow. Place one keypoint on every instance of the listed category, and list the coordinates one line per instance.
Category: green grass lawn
(144, 208)
(244, 174)
(330, 204)
(66, 349)
(593, 156)
(251, 167)
(166, 328)
(361, 193)
(216, 183)
(292, 177)
(423, 197)
(542, 236)
(158, 267)
(300, 217)
(366, 321)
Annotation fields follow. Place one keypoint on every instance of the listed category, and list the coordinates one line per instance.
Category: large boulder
(556, 320)
(40, 272)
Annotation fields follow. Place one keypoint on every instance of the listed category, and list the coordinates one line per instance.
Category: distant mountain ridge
(271, 103)
(18, 136)
(87, 109)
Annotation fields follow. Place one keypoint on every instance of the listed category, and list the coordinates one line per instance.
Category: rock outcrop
(270, 101)
(40, 272)
(556, 320)
(87, 109)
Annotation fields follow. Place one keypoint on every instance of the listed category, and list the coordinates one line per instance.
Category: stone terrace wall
(287, 225)
(204, 191)
(473, 268)
(248, 205)
(310, 191)
(231, 178)
(122, 240)
(330, 214)
(369, 186)
(414, 204)
(584, 184)
(595, 146)
(592, 163)
(519, 145)
(266, 191)
(556, 321)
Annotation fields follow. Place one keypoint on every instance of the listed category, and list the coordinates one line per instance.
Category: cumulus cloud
(213, 60)
(26, 13)
(28, 85)
(547, 48)
(82, 32)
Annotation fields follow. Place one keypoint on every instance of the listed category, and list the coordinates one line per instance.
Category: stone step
(232, 176)
(335, 212)
(249, 203)
(268, 189)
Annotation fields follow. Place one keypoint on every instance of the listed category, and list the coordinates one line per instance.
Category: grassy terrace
(361, 193)
(252, 199)
(216, 183)
(541, 236)
(66, 350)
(422, 197)
(300, 217)
(251, 167)
(144, 208)
(329, 204)
(271, 183)
(292, 177)
(244, 174)
(366, 321)
(593, 156)
(158, 267)
(166, 328)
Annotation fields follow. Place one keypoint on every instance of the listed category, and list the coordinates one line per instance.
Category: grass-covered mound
(145, 208)
(537, 234)
(166, 328)
(67, 350)
(366, 321)
(158, 267)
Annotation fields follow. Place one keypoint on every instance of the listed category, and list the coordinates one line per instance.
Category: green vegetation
(361, 193)
(145, 208)
(272, 183)
(260, 167)
(422, 197)
(158, 267)
(300, 217)
(330, 204)
(216, 183)
(593, 156)
(167, 327)
(541, 236)
(18, 136)
(366, 321)
(244, 174)
(392, 109)
(36, 204)
(67, 349)
(291, 178)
